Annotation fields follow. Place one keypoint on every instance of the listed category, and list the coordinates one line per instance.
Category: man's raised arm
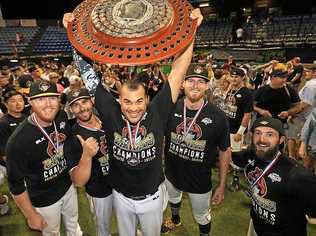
(181, 63)
(87, 73)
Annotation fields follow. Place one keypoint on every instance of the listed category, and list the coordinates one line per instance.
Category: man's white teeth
(263, 145)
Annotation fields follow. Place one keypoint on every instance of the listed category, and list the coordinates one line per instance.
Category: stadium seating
(54, 40)
(280, 31)
(8, 38)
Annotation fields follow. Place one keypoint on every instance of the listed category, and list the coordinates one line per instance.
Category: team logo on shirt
(189, 146)
(61, 139)
(275, 177)
(207, 121)
(56, 163)
(195, 131)
(140, 134)
(142, 151)
(103, 146)
(264, 208)
(62, 125)
(261, 186)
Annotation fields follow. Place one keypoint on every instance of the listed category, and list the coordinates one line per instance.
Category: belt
(139, 198)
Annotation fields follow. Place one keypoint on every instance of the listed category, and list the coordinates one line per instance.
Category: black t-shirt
(282, 197)
(135, 172)
(34, 165)
(8, 124)
(275, 100)
(188, 163)
(236, 104)
(299, 69)
(98, 184)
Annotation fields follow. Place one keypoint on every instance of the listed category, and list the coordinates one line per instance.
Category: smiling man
(87, 157)
(192, 140)
(37, 169)
(135, 131)
(282, 191)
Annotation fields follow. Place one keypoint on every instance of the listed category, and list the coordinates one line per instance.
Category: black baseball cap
(43, 89)
(237, 71)
(279, 73)
(269, 122)
(74, 96)
(197, 71)
(25, 81)
(8, 93)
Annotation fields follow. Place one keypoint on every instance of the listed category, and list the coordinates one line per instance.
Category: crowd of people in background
(283, 90)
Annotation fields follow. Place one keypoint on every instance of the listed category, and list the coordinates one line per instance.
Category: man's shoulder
(4, 120)
(22, 133)
(214, 112)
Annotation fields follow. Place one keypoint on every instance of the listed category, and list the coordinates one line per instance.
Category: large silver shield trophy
(131, 32)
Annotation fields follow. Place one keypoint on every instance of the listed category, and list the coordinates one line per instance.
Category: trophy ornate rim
(117, 32)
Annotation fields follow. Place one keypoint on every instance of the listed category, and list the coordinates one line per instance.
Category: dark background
(54, 9)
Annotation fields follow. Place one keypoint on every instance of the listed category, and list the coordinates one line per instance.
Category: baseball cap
(279, 73)
(43, 89)
(25, 81)
(238, 71)
(74, 96)
(197, 71)
(269, 122)
(8, 93)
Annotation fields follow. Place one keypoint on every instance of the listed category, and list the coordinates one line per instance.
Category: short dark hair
(134, 84)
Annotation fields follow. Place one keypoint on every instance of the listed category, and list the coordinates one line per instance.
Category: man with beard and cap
(192, 140)
(282, 191)
(88, 160)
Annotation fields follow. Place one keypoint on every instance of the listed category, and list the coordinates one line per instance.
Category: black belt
(139, 198)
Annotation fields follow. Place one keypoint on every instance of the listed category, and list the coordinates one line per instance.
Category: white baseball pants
(67, 207)
(148, 213)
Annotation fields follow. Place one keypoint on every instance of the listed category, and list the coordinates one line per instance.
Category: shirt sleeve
(4, 136)
(306, 128)
(248, 103)
(16, 167)
(257, 94)
(72, 152)
(308, 94)
(294, 95)
(90, 78)
(162, 103)
(303, 185)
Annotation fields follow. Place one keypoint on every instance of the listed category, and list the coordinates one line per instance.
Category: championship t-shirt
(135, 170)
(236, 105)
(188, 158)
(35, 166)
(282, 197)
(98, 184)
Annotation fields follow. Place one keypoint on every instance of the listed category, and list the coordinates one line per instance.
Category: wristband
(241, 130)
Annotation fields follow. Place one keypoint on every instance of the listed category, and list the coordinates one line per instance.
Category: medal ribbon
(132, 140)
(194, 118)
(48, 138)
(269, 167)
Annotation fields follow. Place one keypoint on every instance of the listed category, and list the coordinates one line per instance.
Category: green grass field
(229, 219)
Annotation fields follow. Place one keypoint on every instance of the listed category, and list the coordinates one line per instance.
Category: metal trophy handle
(131, 32)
